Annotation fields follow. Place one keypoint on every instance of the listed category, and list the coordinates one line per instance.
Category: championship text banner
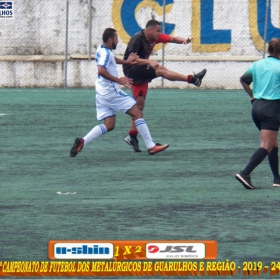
(87, 258)
(225, 268)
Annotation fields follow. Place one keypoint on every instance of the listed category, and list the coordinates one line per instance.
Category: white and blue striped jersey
(105, 58)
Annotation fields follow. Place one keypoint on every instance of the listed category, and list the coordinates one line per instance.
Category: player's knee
(160, 70)
(140, 102)
(267, 146)
(141, 106)
(137, 114)
(110, 127)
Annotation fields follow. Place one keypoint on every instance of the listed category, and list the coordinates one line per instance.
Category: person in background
(265, 75)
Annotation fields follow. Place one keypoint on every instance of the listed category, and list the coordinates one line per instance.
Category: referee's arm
(245, 81)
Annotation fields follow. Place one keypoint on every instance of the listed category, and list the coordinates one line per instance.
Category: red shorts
(139, 90)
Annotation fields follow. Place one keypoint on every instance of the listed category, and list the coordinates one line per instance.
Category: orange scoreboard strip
(137, 250)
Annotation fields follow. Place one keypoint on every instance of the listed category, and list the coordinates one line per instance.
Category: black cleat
(197, 78)
(77, 147)
(276, 182)
(133, 143)
(245, 180)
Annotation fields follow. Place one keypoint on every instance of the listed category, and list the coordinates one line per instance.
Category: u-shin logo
(83, 250)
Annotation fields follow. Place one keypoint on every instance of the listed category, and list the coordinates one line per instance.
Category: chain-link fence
(52, 43)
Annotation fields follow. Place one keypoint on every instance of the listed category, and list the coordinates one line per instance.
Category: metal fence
(52, 43)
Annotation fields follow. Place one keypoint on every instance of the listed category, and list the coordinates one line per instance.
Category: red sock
(190, 78)
(133, 133)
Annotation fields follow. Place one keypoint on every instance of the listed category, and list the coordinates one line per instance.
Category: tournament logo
(6, 10)
(83, 250)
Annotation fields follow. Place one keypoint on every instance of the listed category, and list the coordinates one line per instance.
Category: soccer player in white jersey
(110, 98)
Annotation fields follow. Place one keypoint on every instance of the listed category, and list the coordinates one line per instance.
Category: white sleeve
(103, 57)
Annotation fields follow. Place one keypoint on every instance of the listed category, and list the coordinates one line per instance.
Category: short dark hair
(274, 47)
(152, 23)
(108, 33)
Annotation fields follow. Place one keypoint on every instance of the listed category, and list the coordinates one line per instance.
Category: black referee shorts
(140, 73)
(266, 114)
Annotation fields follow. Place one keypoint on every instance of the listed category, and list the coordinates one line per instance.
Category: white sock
(145, 133)
(96, 132)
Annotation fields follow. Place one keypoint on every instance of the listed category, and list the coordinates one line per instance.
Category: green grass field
(187, 192)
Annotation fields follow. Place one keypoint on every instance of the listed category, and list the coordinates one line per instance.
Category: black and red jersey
(142, 46)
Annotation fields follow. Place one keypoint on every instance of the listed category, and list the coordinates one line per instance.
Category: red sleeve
(163, 38)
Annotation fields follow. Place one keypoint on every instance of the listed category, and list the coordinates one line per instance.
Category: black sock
(257, 157)
(273, 162)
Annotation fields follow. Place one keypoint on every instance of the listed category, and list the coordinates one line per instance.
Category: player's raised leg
(195, 79)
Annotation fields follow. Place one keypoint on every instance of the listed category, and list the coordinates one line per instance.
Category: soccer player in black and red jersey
(142, 43)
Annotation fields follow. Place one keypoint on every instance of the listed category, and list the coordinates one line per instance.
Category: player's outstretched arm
(180, 40)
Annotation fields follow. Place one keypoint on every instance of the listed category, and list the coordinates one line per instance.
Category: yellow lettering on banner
(135, 268)
(139, 266)
(125, 267)
(194, 266)
(176, 266)
(201, 266)
(127, 250)
(208, 266)
(95, 266)
(83, 266)
(222, 268)
(52, 267)
(9, 267)
(20, 267)
(44, 266)
(61, 267)
(117, 251)
(4, 267)
(64, 267)
(147, 266)
(107, 267)
(116, 266)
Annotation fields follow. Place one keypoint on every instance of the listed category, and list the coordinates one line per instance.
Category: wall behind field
(227, 37)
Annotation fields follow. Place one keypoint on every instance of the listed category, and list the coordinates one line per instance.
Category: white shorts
(107, 105)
